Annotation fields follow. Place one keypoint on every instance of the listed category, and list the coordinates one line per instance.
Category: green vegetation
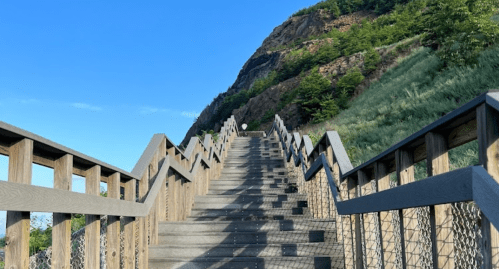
(409, 97)
(316, 99)
(269, 115)
(371, 59)
(346, 86)
(211, 132)
(340, 7)
(435, 22)
(239, 99)
(253, 125)
(460, 29)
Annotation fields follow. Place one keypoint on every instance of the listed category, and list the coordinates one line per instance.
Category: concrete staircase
(251, 217)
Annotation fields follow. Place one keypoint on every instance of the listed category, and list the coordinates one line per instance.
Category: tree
(313, 91)
(371, 59)
(460, 29)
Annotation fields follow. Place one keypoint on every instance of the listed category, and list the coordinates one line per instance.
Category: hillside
(314, 66)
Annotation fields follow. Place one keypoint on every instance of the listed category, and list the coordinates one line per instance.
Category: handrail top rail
(148, 154)
(491, 98)
(48, 149)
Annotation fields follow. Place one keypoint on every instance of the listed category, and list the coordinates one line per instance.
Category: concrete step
(253, 166)
(332, 249)
(253, 191)
(306, 215)
(250, 170)
(253, 174)
(251, 205)
(248, 186)
(246, 212)
(271, 237)
(261, 176)
(250, 198)
(313, 262)
(253, 161)
(247, 226)
(254, 182)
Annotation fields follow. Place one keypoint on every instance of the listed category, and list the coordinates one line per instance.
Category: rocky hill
(272, 54)
(313, 66)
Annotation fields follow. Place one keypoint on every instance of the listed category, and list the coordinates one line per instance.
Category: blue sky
(102, 77)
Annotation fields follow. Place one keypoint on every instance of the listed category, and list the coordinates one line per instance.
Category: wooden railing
(161, 187)
(448, 220)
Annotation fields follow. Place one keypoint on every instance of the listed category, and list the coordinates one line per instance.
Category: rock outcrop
(272, 53)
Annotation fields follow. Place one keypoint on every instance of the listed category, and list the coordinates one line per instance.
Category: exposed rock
(271, 55)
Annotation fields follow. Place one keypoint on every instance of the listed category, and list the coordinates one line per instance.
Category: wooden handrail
(162, 164)
(351, 191)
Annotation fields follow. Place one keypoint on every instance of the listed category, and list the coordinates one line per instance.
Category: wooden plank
(438, 163)
(143, 242)
(18, 223)
(113, 224)
(371, 222)
(488, 155)
(462, 134)
(46, 149)
(405, 175)
(129, 228)
(61, 230)
(42, 199)
(92, 227)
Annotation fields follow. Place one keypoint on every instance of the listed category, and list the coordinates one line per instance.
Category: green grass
(409, 97)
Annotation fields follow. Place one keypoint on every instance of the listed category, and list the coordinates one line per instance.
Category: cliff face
(271, 55)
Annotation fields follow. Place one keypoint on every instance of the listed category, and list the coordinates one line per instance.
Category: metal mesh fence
(467, 235)
(425, 243)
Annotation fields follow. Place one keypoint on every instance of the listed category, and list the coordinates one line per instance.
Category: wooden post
(437, 162)
(18, 223)
(92, 228)
(386, 219)
(172, 209)
(353, 192)
(348, 232)
(61, 231)
(113, 224)
(324, 189)
(405, 174)
(371, 222)
(162, 192)
(488, 154)
(153, 216)
(129, 229)
(143, 224)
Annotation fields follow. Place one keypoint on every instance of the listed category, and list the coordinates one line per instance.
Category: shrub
(269, 115)
(314, 91)
(349, 81)
(253, 125)
(371, 59)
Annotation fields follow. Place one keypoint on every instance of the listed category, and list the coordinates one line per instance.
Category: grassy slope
(407, 98)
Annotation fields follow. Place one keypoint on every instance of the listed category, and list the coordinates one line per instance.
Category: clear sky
(102, 77)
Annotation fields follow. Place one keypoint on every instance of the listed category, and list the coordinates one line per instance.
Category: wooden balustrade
(162, 171)
(409, 225)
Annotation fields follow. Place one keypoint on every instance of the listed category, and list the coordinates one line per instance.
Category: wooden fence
(448, 220)
(162, 171)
